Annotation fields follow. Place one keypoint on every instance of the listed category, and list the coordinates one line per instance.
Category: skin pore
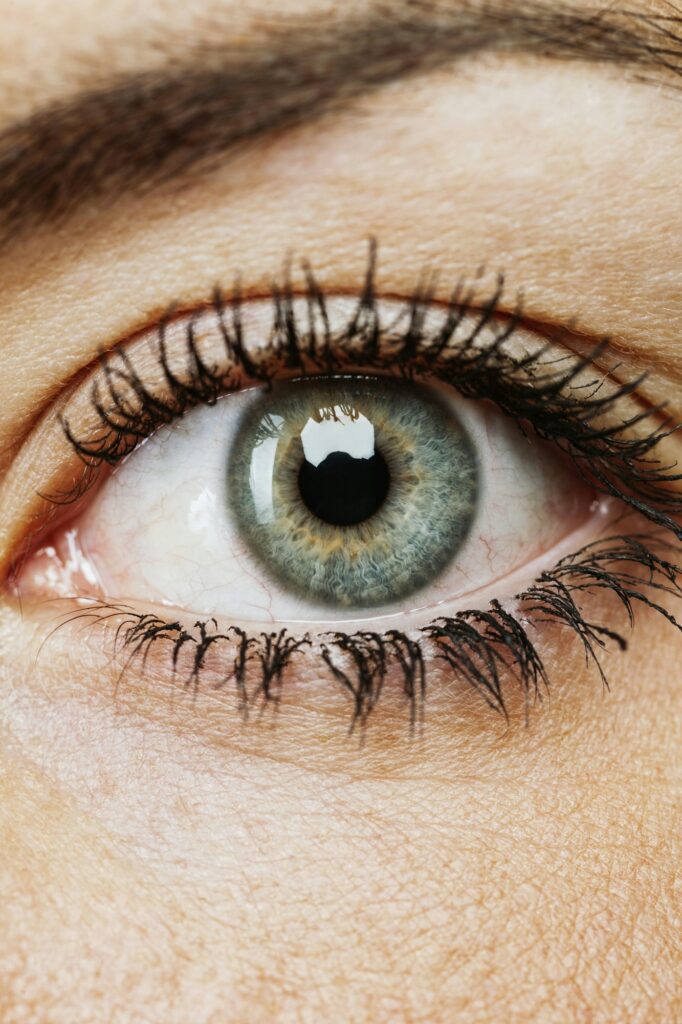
(160, 860)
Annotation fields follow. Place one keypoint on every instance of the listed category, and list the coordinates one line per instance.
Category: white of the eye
(342, 433)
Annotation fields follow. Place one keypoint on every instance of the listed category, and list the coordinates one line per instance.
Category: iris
(353, 491)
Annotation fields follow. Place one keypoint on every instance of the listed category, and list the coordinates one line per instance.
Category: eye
(320, 499)
(442, 481)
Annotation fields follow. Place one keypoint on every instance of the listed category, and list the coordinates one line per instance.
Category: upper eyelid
(472, 299)
(475, 291)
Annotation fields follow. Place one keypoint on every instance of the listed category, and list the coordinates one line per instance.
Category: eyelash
(548, 397)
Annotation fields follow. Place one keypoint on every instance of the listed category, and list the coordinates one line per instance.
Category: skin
(161, 862)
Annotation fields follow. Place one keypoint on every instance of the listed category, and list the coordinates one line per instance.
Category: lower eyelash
(484, 649)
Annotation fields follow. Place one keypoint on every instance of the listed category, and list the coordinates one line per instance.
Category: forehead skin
(153, 869)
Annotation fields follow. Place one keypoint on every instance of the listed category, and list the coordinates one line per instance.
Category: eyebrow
(141, 130)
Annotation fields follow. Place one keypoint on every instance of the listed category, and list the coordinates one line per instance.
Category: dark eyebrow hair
(140, 130)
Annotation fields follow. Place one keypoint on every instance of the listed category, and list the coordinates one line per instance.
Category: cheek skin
(485, 874)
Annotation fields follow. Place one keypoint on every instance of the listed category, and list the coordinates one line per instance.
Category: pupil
(343, 490)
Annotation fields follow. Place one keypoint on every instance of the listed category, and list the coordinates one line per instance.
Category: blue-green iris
(354, 492)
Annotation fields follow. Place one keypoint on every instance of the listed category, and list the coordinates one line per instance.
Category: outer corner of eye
(350, 498)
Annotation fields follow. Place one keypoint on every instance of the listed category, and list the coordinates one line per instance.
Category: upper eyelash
(532, 390)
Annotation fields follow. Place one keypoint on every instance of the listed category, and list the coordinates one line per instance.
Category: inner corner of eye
(331, 498)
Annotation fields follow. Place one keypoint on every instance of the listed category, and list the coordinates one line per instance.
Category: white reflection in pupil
(337, 430)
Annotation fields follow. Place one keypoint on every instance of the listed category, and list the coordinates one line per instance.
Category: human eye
(390, 492)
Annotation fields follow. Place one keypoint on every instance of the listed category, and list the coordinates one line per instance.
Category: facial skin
(163, 861)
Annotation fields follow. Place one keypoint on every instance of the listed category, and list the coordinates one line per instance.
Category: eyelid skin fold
(196, 359)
